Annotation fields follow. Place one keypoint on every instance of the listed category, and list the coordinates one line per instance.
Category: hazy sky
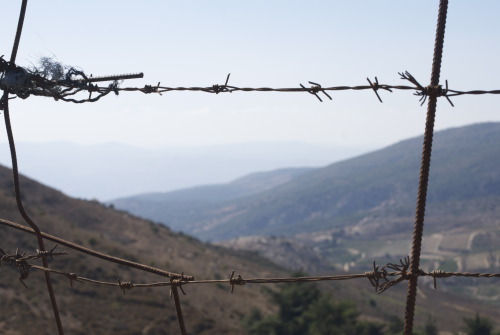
(261, 43)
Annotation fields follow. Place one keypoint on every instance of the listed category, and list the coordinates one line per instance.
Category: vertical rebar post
(424, 170)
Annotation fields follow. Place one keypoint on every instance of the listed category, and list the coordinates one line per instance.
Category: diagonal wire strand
(97, 254)
(405, 271)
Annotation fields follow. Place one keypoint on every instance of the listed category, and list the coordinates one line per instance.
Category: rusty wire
(24, 82)
(64, 90)
(424, 169)
(97, 254)
(419, 90)
(32, 83)
(4, 103)
(379, 278)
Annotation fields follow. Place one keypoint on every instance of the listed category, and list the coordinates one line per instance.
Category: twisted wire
(19, 30)
(97, 254)
(424, 170)
(26, 217)
(65, 90)
(380, 279)
(17, 191)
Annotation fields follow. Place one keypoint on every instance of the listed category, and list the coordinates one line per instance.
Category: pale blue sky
(261, 43)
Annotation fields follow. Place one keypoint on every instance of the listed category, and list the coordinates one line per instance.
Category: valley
(350, 213)
(341, 218)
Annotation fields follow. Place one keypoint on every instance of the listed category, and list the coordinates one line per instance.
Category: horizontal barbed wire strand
(73, 87)
(433, 91)
(238, 280)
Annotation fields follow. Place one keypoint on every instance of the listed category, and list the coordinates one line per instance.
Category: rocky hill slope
(89, 309)
(362, 209)
(384, 182)
(208, 309)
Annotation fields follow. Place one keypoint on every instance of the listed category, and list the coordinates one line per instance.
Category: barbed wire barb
(315, 89)
(400, 271)
(71, 83)
(97, 254)
(221, 88)
(375, 86)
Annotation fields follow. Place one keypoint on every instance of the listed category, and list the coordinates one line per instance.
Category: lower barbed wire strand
(240, 281)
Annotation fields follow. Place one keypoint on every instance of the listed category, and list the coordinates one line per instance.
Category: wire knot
(43, 253)
(48, 253)
(438, 274)
(16, 80)
(221, 88)
(71, 276)
(114, 87)
(4, 65)
(375, 87)
(315, 89)
(423, 92)
(125, 285)
(400, 269)
(178, 283)
(24, 270)
(19, 261)
(150, 89)
(436, 91)
(235, 281)
(375, 275)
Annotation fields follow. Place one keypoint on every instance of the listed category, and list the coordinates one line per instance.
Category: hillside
(250, 184)
(362, 209)
(212, 309)
(178, 207)
(88, 309)
(384, 182)
(109, 170)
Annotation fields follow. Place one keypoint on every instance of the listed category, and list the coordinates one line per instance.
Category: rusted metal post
(424, 169)
(177, 301)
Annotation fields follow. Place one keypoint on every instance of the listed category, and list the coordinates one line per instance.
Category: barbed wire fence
(65, 84)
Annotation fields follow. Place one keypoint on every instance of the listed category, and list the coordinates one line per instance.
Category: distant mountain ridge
(111, 170)
(180, 206)
(91, 309)
(208, 309)
(464, 168)
(241, 187)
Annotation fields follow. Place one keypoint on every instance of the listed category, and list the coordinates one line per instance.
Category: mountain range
(360, 209)
(90, 309)
(464, 168)
(208, 309)
(106, 171)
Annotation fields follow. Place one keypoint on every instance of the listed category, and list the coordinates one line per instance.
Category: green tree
(395, 326)
(328, 317)
(255, 324)
(478, 326)
(430, 327)
(294, 300)
(304, 310)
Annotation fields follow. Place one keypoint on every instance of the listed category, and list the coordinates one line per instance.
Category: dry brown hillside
(208, 309)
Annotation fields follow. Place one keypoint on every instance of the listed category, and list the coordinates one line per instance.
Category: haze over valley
(349, 213)
(107, 171)
(367, 231)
